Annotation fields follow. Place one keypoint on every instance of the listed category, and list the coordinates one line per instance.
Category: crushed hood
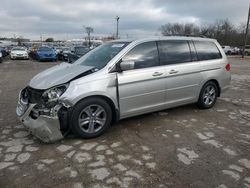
(57, 75)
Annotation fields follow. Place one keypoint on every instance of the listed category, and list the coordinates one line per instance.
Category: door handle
(173, 72)
(157, 74)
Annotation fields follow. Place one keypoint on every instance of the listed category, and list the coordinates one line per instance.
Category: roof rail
(187, 35)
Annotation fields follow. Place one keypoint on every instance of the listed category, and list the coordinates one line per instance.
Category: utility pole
(245, 40)
(88, 31)
(117, 26)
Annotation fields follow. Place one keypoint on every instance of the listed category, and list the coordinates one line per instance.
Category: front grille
(34, 95)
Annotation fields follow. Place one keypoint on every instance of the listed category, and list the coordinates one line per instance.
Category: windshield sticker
(117, 45)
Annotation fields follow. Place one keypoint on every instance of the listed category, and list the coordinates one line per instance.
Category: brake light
(228, 67)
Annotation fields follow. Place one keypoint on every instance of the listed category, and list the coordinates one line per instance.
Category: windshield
(100, 56)
(16, 48)
(44, 49)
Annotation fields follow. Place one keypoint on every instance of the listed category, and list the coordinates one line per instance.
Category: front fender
(106, 87)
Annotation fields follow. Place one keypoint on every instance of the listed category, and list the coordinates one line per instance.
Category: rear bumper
(225, 83)
(46, 128)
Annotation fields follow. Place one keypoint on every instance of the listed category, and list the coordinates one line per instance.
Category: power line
(245, 40)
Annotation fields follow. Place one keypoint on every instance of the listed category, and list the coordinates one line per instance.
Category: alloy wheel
(209, 95)
(92, 118)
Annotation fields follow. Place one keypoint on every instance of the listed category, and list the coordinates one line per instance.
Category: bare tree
(222, 30)
(179, 29)
(172, 29)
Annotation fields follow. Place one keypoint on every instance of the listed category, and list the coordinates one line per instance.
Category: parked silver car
(121, 79)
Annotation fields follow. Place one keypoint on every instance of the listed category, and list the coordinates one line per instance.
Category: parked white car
(227, 49)
(236, 51)
(19, 53)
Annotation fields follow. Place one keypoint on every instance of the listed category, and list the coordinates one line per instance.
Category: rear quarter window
(207, 50)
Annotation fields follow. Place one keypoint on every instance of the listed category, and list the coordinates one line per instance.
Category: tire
(247, 53)
(207, 98)
(91, 124)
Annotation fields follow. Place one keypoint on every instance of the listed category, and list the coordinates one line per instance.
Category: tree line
(223, 30)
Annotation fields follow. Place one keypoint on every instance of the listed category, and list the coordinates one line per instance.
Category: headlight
(52, 95)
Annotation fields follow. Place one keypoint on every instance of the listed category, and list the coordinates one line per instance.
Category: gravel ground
(180, 147)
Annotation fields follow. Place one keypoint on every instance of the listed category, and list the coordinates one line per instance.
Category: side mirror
(127, 65)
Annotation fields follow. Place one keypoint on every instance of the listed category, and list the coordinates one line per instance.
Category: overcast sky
(64, 19)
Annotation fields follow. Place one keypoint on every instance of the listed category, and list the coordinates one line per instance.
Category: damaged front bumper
(45, 127)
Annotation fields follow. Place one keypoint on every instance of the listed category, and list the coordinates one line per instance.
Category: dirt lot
(180, 147)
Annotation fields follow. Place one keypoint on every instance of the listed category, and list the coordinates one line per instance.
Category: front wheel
(208, 95)
(91, 118)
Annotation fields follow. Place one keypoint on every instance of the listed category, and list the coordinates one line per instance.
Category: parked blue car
(46, 53)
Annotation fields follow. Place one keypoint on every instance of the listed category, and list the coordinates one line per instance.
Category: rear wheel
(91, 118)
(208, 95)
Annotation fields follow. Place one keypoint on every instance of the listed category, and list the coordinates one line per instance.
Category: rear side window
(207, 50)
(144, 55)
(174, 51)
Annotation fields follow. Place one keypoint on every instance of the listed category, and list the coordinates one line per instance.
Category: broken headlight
(52, 95)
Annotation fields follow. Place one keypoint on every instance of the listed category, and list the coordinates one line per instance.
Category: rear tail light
(228, 67)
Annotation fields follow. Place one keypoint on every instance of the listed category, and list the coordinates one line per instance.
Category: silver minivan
(121, 79)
